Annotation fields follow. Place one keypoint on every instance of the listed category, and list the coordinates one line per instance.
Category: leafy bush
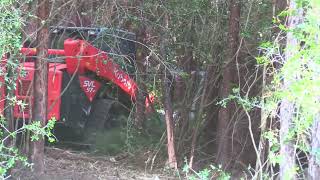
(9, 155)
(212, 172)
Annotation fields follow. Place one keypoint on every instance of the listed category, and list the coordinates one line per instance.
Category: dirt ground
(63, 164)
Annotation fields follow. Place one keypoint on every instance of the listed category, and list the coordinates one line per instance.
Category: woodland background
(226, 74)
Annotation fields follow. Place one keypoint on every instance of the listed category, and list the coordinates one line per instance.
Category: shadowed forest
(160, 89)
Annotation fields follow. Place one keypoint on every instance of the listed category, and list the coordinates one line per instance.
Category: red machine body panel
(80, 57)
(24, 90)
(89, 86)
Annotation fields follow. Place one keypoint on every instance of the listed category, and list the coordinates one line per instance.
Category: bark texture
(314, 167)
(40, 83)
(141, 73)
(228, 78)
(166, 91)
(287, 150)
(172, 160)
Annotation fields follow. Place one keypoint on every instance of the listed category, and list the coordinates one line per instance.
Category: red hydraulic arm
(80, 56)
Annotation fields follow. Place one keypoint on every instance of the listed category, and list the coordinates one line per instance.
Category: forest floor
(63, 164)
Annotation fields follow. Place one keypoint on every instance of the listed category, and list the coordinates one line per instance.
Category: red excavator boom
(80, 57)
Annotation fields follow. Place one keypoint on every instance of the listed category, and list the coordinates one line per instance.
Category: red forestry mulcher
(81, 77)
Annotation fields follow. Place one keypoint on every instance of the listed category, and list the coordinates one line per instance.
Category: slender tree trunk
(172, 159)
(203, 86)
(9, 114)
(314, 165)
(287, 150)
(141, 73)
(263, 127)
(184, 93)
(314, 161)
(40, 84)
(277, 7)
(229, 71)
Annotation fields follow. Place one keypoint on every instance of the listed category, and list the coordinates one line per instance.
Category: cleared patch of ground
(67, 165)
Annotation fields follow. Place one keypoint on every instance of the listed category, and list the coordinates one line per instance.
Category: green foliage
(10, 24)
(39, 131)
(212, 172)
(9, 156)
(301, 69)
(10, 43)
(246, 102)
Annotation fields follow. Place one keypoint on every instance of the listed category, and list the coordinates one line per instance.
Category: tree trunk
(287, 150)
(141, 73)
(40, 84)
(10, 142)
(277, 7)
(225, 114)
(172, 159)
(314, 167)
